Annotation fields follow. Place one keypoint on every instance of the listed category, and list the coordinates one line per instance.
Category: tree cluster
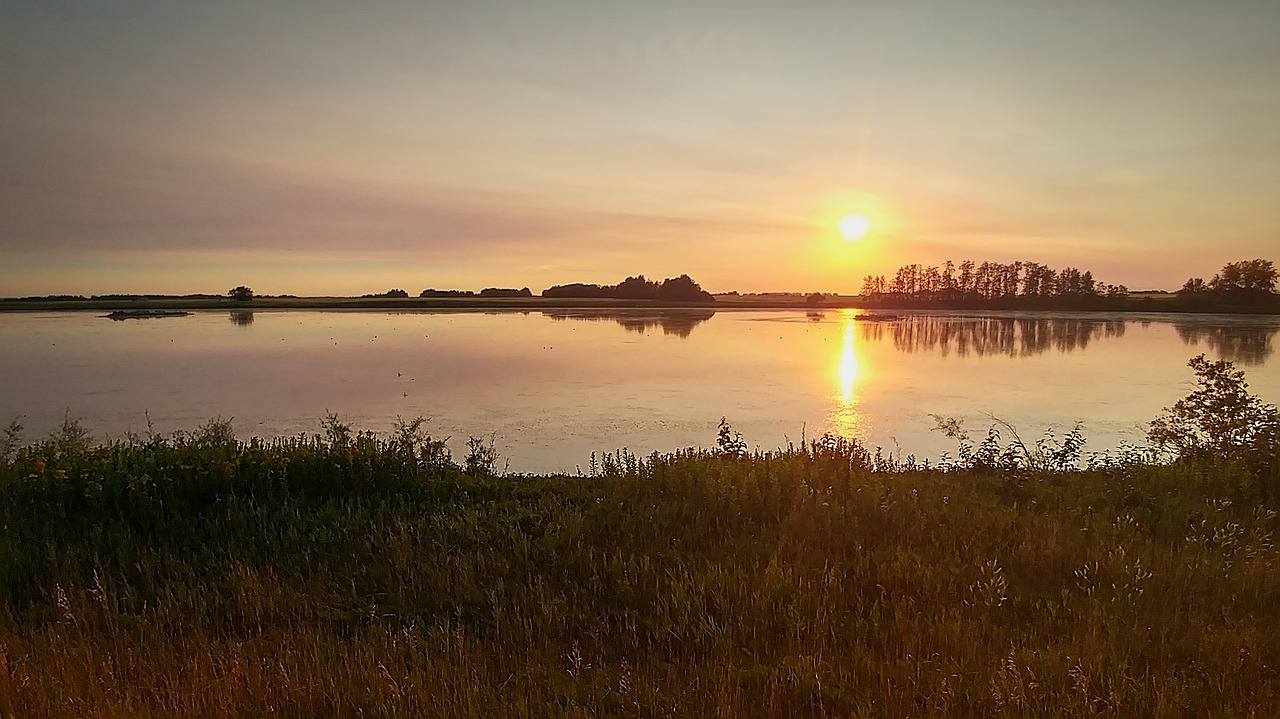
(1244, 282)
(988, 281)
(431, 292)
(672, 289)
(505, 292)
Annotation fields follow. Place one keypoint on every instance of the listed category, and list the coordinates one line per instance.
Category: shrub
(11, 439)
(70, 435)
(1219, 417)
(482, 458)
(728, 442)
(1222, 420)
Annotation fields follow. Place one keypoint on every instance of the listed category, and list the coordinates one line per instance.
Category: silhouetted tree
(874, 285)
(446, 293)
(578, 289)
(948, 276)
(240, 294)
(636, 288)
(1194, 286)
(1251, 276)
(683, 289)
(676, 289)
(966, 276)
(1007, 283)
(505, 292)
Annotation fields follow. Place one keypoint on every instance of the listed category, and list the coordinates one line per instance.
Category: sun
(854, 227)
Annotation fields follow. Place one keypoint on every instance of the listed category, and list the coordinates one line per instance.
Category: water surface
(553, 386)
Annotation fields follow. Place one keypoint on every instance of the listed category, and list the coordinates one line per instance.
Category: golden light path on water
(846, 417)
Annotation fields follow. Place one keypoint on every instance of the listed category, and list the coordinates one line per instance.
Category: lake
(549, 387)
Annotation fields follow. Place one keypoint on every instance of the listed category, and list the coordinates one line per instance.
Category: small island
(144, 314)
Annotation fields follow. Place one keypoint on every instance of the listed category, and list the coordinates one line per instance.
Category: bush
(1221, 420)
(70, 435)
(1220, 417)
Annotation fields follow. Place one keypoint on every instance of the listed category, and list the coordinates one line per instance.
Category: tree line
(1247, 285)
(970, 280)
(486, 292)
(672, 289)
(1247, 282)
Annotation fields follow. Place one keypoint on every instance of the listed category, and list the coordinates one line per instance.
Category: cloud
(87, 198)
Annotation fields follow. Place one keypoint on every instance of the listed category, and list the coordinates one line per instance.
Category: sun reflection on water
(846, 418)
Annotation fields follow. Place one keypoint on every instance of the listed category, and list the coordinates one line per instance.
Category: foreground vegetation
(354, 575)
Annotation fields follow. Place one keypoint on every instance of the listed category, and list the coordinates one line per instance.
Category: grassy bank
(356, 576)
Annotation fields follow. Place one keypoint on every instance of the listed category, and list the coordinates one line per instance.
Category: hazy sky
(316, 147)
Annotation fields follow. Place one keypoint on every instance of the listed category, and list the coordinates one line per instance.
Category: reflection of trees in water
(672, 322)
(1245, 345)
(983, 336)
(240, 317)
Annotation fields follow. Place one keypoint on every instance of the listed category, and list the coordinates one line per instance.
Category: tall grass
(352, 575)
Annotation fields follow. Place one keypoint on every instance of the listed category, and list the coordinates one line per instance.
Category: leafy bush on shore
(1221, 420)
(1219, 417)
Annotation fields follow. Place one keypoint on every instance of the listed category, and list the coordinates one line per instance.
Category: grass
(351, 575)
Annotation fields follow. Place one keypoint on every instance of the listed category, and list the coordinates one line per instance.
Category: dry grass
(205, 577)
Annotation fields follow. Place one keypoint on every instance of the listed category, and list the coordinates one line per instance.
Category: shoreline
(1134, 305)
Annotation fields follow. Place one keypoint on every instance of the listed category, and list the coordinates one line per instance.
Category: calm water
(554, 386)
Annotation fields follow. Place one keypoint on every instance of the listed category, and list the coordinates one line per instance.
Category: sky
(319, 148)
